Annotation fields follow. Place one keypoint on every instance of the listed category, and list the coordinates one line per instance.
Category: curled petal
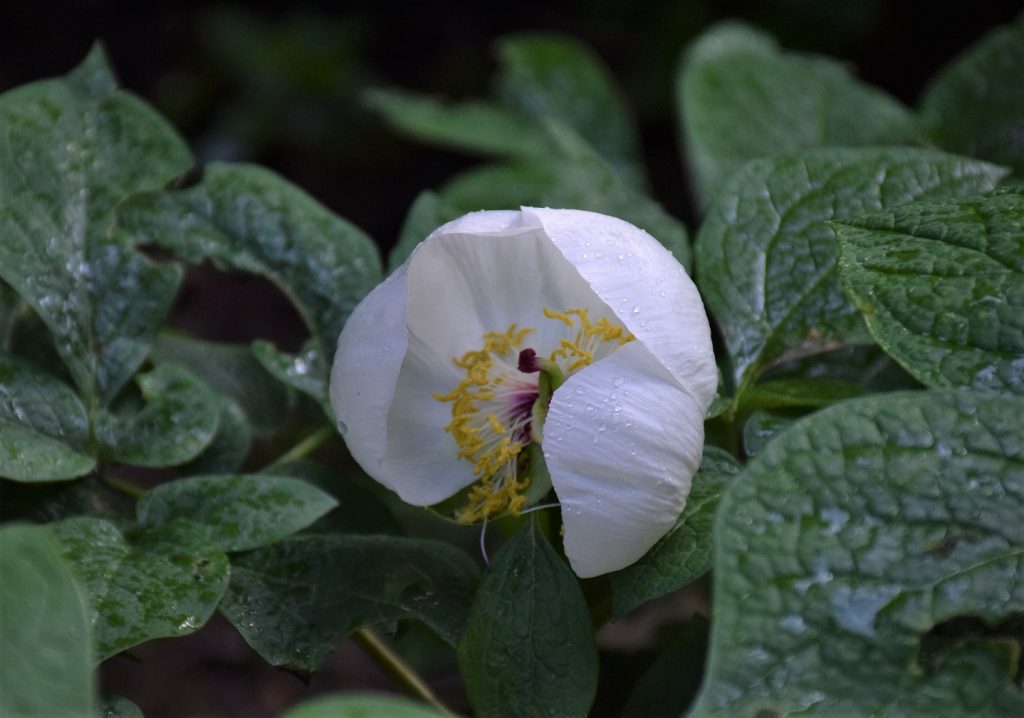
(622, 442)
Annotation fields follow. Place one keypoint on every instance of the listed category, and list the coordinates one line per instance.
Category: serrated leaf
(683, 554)
(477, 126)
(138, 594)
(760, 428)
(44, 630)
(233, 512)
(741, 98)
(179, 419)
(853, 535)
(975, 105)
(553, 77)
(350, 706)
(671, 682)
(292, 601)
(246, 218)
(232, 370)
(528, 649)
(766, 254)
(73, 148)
(941, 286)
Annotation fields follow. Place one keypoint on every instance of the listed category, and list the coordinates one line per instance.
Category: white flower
(444, 372)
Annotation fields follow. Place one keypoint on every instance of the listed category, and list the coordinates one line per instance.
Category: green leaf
(139, 594)
(28, 455)
(683, 554)
(43, 502)
(482, 127)
(941, 286)
(230, 446)
(766, 254)
(355, 706)
(44, 630)
(760, 428)
(528, 649)
(427, 213)
(556, 77)
(234, 512)
(307, 371)
(740, 98)
(115, 706)
(10, 305)
(851, 537)
(233, 371)
(73, 149)
(670, 684)
(246, 218)
(975, 105)
(294, 600)
(179, 419)
(799, 392)
(865, 365)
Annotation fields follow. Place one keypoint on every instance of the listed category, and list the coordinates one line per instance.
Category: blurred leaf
(137, 594)
(683, 554)
(233, 371)
(246, 218)
(975, 105)
(292, 601)
(850, 537)
(44, 630)
(528, 649)
(115, 706)
(558, 78)
(29, 455)
(670, 684)
(355, 706)
(760, 428)
(481, 127)
(230, 446)
(941, 285)
(306, 371)
(427, 213)
(74, 148)
(740, 98)
(865, 365)
(766, 254)
(799, 392)
(9, 306)
(231, 512)
(178, 421)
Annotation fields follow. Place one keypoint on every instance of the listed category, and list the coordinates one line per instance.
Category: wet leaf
(760, 428)
(306, 371)
(230, 446)
(849, 539)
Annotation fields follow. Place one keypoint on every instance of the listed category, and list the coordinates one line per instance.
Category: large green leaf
(355, 706)
(941, 286)
(529, 647)
(975, 105)
(230, 446)
(556, 77)
(683, 554)
(178, 420)
(136, 593)
(246, 218)
(741, 98)
(766, 254)
(233, 512)
(292, 601)
(71, 150)
(853, 535)
(44, 630)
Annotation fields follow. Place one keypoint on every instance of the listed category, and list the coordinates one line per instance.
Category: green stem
(125, 487)
(396, 667)
(305, 447)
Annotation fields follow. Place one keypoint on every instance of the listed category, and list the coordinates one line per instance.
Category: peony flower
(517, 345)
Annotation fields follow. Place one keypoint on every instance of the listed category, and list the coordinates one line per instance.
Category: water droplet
(618, 381)
(342, 427)
(636, 309)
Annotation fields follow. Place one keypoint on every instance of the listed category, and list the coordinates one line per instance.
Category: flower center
(499, 406)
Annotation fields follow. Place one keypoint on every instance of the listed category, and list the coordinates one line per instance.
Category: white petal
(646, 288)
(364, 376)
(622, 442)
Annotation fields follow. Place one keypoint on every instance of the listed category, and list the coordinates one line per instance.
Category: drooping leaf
(849, 539)
(232, 512)
(766, 254)
(760, 428)
(556, 77)
(671, 683)
(44, 630)
(683, 554)
(178, 420)
(72, 149)
(292, 601)
(528, 649)
(138, 594)
(246, 218)
(355, 706)
(975, 105)
(941, 286)
(741, 98)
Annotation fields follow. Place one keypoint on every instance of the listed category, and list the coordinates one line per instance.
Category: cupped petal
(364, 376)
(622, 442)
(646, 288)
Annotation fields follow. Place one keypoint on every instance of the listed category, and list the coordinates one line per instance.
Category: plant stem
(305, 447)
(396, 667)
(125, 487)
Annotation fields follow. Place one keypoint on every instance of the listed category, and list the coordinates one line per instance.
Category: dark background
(280, 85)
